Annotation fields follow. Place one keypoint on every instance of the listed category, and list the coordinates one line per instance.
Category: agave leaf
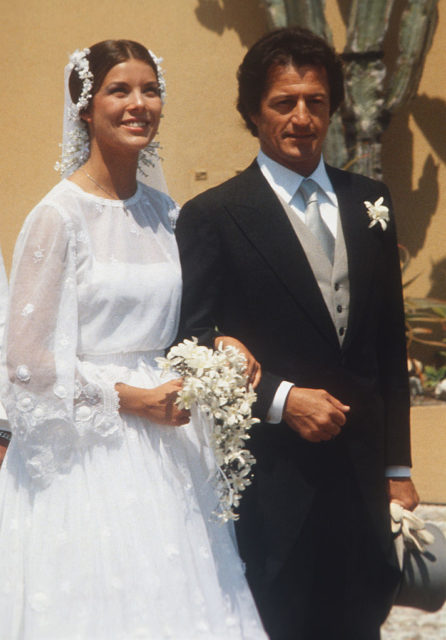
(419, 331)
(430, 343)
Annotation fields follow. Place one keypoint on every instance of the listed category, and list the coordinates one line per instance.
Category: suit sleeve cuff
(397, 471)
(275, 412)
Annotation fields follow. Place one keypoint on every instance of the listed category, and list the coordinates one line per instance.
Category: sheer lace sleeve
(54, 411)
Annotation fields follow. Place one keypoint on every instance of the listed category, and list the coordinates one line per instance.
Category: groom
(285, 258)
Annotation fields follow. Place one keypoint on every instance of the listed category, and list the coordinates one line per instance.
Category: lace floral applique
(34, 412)
(77, 390)
(25, 403)
(39, 412)
(86, 397)
(64, 341)
(171, 550)
(38, 254)
(135, 229)
(82, 236)
(91, 394)
(23, 373)
(27, 310)
(39, 601)
(116, 583)
(173, 217)
(60, 391)
(204, 552)
(70, 283)
(95, 414)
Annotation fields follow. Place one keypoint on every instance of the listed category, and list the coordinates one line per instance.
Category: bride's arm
(157, 404)
(51, 405)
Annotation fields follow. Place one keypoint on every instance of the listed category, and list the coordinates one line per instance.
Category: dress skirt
(123, 544)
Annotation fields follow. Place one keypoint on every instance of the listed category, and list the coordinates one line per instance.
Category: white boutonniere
(378, 213)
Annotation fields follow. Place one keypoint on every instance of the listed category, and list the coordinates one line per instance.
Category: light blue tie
(313, 218)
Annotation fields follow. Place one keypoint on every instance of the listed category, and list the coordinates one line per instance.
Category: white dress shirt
(285, 184)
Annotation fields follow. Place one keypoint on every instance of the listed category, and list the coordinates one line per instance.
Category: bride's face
(125, 112)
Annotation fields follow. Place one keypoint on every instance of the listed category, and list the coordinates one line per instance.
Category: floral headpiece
(76, 142)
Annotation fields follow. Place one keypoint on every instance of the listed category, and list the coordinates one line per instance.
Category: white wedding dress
(106, 530)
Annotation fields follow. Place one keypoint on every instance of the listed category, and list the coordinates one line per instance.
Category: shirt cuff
(397, 471)
(275, 412)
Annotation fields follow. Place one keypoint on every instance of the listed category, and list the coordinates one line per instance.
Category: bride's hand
(157, 404)
(253, 368)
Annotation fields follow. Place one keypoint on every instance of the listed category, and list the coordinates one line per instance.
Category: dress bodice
(91, 277)
(129, 296)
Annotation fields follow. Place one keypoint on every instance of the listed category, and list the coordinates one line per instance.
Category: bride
(105, 504)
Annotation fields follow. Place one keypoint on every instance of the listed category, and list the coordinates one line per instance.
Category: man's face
(294, 115)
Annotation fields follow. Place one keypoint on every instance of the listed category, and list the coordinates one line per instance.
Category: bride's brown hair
(104, 56)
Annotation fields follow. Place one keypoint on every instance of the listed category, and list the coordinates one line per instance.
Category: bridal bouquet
(216, 383)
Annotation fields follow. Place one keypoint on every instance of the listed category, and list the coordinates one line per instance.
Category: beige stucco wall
(202, 42)
(415, 167)
(429, 452)
(201, 49)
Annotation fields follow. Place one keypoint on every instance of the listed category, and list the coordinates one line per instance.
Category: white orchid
(216, 382)
(378, 213)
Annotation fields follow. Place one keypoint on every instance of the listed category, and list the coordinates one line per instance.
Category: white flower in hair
(79, 61)
(76, 143)
(160, 75)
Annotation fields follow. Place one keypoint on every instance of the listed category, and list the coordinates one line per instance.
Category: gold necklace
(104, 189)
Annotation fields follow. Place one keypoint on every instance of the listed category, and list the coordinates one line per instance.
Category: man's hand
(314, 413)
(402, 490)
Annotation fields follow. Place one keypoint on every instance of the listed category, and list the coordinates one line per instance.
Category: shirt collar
(286, 182)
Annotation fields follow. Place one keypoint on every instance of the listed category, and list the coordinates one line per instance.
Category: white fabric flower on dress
(378, 213)
(60, 391)
(27, 310)
(38, 254)
(25, 403)
(23, 373)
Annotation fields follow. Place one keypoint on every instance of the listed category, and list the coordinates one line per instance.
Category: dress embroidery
(27, 309)
(39, 254)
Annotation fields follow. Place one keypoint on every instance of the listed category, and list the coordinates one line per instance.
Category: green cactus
(372, 93)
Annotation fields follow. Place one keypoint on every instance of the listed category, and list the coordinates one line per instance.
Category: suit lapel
(259, 214)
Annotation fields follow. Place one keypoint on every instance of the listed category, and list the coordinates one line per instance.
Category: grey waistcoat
(332, 279)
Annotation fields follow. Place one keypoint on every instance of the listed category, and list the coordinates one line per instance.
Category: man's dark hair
(291, 45)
